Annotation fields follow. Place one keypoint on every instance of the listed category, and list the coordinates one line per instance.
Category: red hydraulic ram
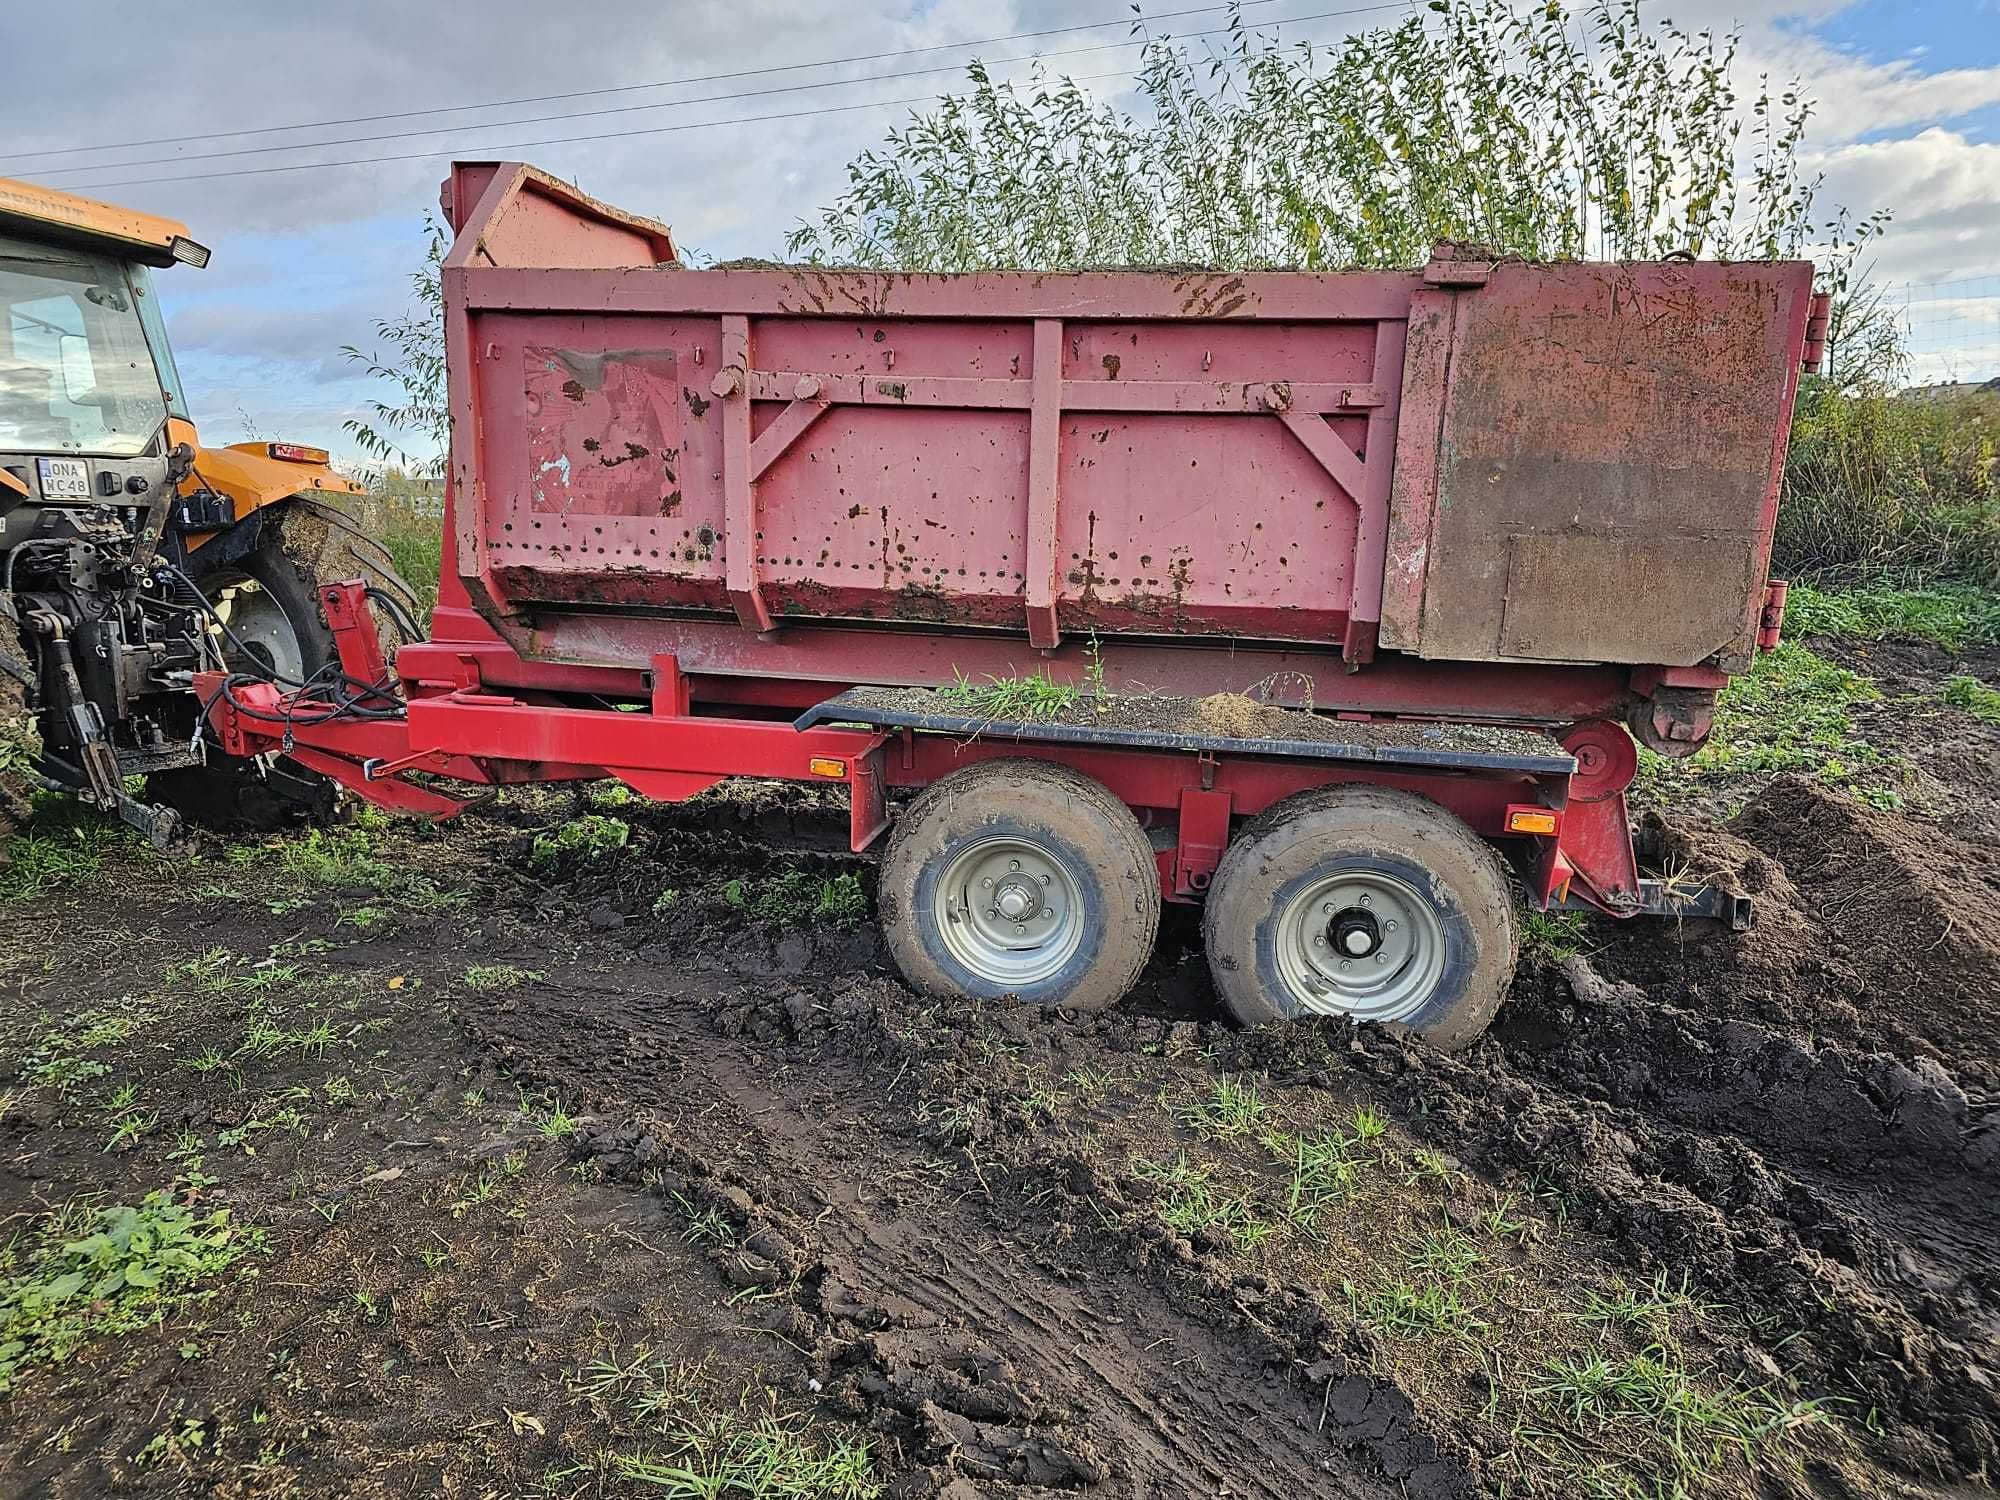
(1478, 520)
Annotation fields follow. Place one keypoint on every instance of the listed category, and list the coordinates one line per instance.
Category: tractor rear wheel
(1363, 902)
(270, 599)
(1022, 878)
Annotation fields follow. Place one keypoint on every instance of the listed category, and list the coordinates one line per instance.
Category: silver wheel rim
(1360, 944)
(1009, 911)
(262, 624)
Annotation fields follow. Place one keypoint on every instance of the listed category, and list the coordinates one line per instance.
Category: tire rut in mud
(1807, 1134)
(991, 1353)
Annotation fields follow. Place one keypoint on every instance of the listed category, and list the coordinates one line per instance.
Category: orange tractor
(132, 556)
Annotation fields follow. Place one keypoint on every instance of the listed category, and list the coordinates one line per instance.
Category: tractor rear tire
(274, 596)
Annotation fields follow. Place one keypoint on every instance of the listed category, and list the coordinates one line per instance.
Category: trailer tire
(1365, 902)
(1050, 849)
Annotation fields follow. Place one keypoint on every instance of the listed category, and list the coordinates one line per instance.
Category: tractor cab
(91, 409)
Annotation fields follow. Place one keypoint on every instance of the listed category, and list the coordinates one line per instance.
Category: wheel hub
(1017, 900)
(1009, 910)
(1355, 932)
(1360, 943)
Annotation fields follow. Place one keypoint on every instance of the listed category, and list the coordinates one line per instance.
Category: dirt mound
(1871, 929)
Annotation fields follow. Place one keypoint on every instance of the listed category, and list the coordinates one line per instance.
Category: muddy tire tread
(1367, 819)
(1093, 814)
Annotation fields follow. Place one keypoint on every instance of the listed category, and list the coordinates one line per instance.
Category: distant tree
(413, 430)
(1519, 126)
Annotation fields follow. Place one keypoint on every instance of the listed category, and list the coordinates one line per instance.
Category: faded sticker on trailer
(604, 431)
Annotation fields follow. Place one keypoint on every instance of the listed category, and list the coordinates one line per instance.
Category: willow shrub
(1518, 126)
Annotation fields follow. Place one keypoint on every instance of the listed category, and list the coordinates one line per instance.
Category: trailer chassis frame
(1560, 818)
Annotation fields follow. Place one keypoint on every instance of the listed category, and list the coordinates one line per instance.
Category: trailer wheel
(1020, 878)
(1362, 902)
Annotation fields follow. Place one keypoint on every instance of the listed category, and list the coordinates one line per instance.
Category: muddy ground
(590, 1148)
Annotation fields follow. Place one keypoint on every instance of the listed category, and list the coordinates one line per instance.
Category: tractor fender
(250, 479)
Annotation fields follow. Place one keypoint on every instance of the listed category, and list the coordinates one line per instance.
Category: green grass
(1647, 1310)
(485, 979)
(694, 1449)
(56, 1058)
(1791, 712)
(1954, 616)
(1321, 1171)
(135, 1267)
(768, 1458)
(416, 543)
(1190, 1201)
(589, 837)
(1228, 1109)
(792, 898)
(66, 845)
(1649, 1406)
(340, 858)
(1414, 1309)
(1972, 695)
(1549, 937)
(1033, 696)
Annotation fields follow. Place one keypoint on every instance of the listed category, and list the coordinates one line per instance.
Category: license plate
(65, 478)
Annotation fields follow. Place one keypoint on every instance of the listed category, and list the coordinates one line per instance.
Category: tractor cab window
(76, 373)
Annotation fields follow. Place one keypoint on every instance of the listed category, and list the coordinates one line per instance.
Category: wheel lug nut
(987, 882)
(992, 911)
(1327, 909)
(1319, 942)
(1390, 925)
(1045, 880)
(1381, 958)
(1364, 901)
(1013, 864)
(1345, 965)
(1020, 931)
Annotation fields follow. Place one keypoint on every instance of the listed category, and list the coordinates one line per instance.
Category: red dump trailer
(1332, 601)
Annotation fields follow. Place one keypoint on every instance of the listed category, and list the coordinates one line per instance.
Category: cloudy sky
(701, 114)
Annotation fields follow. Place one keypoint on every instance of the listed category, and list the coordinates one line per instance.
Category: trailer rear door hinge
(1817, 322)
(1771, 622)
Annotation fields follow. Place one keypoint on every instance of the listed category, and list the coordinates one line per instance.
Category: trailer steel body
(689, 510)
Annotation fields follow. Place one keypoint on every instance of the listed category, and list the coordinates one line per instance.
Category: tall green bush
(1897, 486)
(1516, 125)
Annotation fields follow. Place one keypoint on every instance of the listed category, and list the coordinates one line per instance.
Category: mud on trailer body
(1457, 530)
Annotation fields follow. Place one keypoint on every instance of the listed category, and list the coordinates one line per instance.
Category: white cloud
(306, 260)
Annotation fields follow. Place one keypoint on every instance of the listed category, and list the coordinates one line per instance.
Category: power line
(561, 140)
(1019, 36)
(625, 109)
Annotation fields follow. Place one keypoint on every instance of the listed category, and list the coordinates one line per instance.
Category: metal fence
(1951, 329)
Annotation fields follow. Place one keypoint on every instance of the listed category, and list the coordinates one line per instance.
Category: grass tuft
(1034, 696)
(1189, 1201)
(589, 837)
(1230, 1109)
(486, 979)
(1972, 695)
(768, 1458)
